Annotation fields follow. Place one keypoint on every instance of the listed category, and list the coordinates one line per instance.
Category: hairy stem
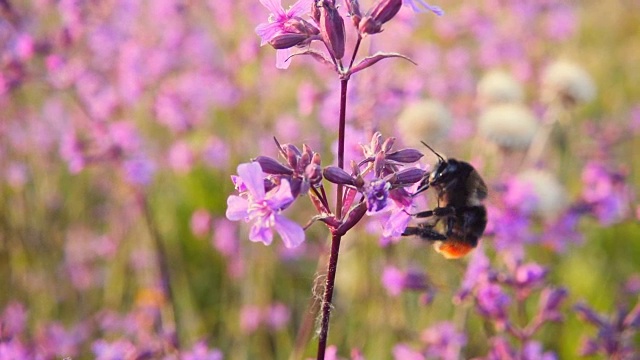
(335, 239)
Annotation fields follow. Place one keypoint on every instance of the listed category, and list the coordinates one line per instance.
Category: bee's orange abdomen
(451, 249)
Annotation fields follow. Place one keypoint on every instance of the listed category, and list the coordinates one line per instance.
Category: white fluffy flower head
(510, 126)
(568, 82)
(550, 195)
(497, 87)
(426, 120)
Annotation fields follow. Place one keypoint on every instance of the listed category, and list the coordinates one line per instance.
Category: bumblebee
(460, 192)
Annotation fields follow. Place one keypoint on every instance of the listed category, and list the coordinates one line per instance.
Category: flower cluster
(498, 294)
(377, 184)
(287, 29)
(615, 332)
(128, 336)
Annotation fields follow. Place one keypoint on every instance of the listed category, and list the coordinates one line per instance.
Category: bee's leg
(439, 212)
(444, 211)
(425, 233)
(424, 214)
(451, 221)
(423, 186)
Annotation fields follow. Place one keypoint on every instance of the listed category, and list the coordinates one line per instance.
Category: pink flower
(276, 25)
(200, 222)
(263, 208)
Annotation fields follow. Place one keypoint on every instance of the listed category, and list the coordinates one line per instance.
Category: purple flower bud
(353, 217)
(633, 317)
(348, 199)
(304, 161)
(529, 274)
(270, 165)
(492, 302)
(382, 11)
(550, 298)
(501, 349)
(292, 153)
(313, 172)
(336, 175)
(378, 163)
(405, 156)
(306, 149)
(393, 280)
(332, 28)
(388, 144)
(286, 40)
(407, 177)
(300, 26)
(353, 10)
(415, 280)
(588, 347)
(315, 11)
(375, 142)
(588, 315)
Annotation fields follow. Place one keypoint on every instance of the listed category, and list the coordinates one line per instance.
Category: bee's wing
(475, 182)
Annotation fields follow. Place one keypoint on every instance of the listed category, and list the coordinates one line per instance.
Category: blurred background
(121, 122)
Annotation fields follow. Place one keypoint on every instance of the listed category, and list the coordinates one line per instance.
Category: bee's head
(444, 171)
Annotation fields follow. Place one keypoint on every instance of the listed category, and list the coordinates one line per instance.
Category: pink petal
(301, 7)
(396, 224)
(237, 208)
(275, 6)
(261, 233)
(251, 174)
(280, 197)
(282, 58)
(267, 31)
(292, 234)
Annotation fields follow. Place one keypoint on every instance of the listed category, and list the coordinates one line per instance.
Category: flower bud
(353, 217)
(375, 142)
(382, 11)
(353, 9)
(588, 347)
(300, 26)
(313, 172)
(530, 274)
(332, 28)
(633, 317)
(407, 176)
(378, 163)
(292, 153)
(304, 161)
(271, 166)
(588, 315)
(286, 40)
(550, 299)
(388, 144)
(385, 10)
(336, 175)
(405, 156)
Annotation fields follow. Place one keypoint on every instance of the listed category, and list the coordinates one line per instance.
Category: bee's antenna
(433, 151)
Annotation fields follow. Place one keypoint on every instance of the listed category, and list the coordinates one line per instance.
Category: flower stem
(171, 319)
(335, 239)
